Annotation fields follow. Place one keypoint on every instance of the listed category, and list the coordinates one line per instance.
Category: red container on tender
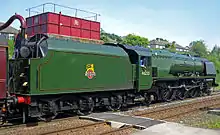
(29, 31)
(95, 35)
(37, 29)
(53, 23)
(86, 24)
(76, 22)
(65, 20)
(29, 21)
(85, 33)
(51, 18)
(75, 32)
(65, 30)
(50, 28)
(95, 26)
(37, 20)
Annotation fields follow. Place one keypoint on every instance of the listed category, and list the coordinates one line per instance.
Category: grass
(217, 88)
(211, 124)
(11, 48)
(201, 119)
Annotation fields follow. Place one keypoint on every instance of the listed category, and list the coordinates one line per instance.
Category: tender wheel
(166, 95)
(147, 100)
(208, 92)
(181, 94)
(194, 93)
(85, 106)
(46, 113)
(2, 120)
(115, 103)
(48, 117)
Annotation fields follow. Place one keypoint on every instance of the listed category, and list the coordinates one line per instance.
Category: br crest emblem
(90, 71)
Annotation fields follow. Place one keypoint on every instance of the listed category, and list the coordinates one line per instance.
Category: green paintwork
(63, 69)
(145, 76)
(198, 65)
(143, 53)
(184, 63)
(162, 59)
(171, 64)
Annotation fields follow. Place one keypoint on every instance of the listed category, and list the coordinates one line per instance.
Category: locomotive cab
(141, 57)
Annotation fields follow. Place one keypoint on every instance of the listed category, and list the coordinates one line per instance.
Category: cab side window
(145, 61)
(142, 61)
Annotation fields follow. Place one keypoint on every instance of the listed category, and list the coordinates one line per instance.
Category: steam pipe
(11, 19)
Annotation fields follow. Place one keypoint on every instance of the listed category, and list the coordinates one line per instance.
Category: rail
(71, 129)
(118, 131)
(43, 9)
(176, 110)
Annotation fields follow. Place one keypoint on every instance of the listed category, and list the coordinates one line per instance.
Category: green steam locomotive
(53, 75)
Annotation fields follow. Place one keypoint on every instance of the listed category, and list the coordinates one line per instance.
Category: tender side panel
(3, 70)
(72, 72)
(88, 68)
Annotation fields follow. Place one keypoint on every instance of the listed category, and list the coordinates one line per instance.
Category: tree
(198, 47)
(10, 48)
(130, 39)
(108, 37)
(104, 38)
(133, 40)
(171, 46)
(216, 51)
(161, 39)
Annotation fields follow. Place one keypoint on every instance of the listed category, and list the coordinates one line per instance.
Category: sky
(175, 20)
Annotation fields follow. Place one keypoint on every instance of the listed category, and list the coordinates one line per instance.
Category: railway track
(160, 111)
(123, 130)
(171, 111)
(163, 104)
(92, 129)
(76, 129)
(34, 123)
(81, 126)
(129, 111)
(42, 127)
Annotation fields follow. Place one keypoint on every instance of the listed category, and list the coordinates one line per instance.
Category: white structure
(161, 43)
(9, 32)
